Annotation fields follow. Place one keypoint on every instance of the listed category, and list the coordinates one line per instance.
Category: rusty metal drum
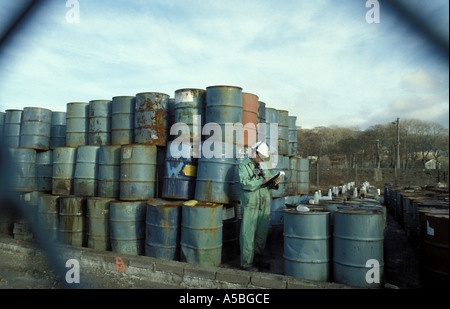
(150, 118)
(436, 250)
(215, 174)
(72, 220)
(250, 108)
(163, 229)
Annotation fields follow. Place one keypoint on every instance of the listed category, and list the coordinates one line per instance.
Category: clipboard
(271, 181)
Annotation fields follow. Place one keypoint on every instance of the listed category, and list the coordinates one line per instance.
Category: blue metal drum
(86, 171)
(77, 125)
(72, 220)
(276, 216)
(99, 132)
(24, 176)
(11, 131)
(190, 103)
(137, 172)
(48, 209)
(283, 132)
(36, 128)
(44, 171)
(358, 238)
(303, 176)
(63, 170)
(108, 184)
(224, 106)
(201, 233)
(58, 130)
(2, 123)
(180, 174)
(292, 136)
(307, 244)
(215, 175)
(150, 118)
(272, 130)
(98, 223)
(163, 230)
(122, 120)
(127, 226)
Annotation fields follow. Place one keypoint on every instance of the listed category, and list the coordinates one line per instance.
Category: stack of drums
(216, 166)
(182, 154)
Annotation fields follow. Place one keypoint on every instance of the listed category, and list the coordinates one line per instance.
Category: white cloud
(319, 60)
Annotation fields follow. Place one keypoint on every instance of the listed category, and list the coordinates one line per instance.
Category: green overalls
(255, 203)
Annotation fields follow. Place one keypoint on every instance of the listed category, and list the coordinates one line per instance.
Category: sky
(321, 60)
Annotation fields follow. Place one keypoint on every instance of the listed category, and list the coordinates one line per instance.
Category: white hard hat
(262, 149)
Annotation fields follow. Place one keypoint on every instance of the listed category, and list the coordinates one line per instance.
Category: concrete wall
(378, 177)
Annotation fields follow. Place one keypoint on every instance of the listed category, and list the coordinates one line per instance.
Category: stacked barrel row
(423, 213)
(120, 151)
(335, 240)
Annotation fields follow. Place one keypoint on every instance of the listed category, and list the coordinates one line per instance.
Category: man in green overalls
(255, 203)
